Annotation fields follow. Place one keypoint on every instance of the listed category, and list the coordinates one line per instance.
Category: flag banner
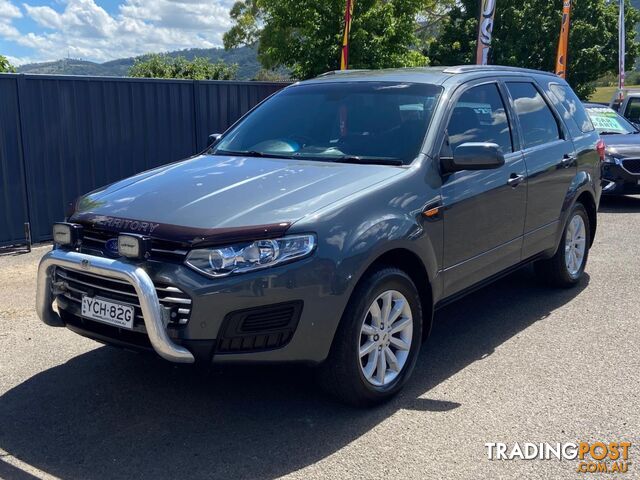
(622, 48)
(563, 44)
(348, 14)
(485, 31)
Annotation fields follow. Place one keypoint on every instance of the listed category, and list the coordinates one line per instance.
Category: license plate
(106, 311)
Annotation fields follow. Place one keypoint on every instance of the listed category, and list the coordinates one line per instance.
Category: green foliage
(526, 34)
(270, 76)
(5, 66)
(246, 58)
(164, 66)
(611, 79)
(305, 36)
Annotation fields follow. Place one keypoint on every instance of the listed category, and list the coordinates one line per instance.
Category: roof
(433, 75)
(595, 105)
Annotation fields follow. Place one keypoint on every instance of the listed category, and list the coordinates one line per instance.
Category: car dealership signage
(485, 31)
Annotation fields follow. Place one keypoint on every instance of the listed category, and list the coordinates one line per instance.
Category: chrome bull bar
(119, 270)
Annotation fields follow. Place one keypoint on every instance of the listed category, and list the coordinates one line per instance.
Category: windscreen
(330, 121)
(606, 121)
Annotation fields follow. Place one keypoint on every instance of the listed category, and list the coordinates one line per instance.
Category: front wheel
(378, 340)
(566, 267)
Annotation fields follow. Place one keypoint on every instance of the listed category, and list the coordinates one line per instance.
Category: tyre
(566, 267)
(377, 343)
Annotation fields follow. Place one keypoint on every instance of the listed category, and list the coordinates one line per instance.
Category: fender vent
(261, 328)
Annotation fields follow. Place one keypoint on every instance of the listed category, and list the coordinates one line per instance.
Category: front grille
(259, 328)
(632, 165)
(93, 240)
(76, 284)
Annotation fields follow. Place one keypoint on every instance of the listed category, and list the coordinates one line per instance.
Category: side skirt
(456, 296)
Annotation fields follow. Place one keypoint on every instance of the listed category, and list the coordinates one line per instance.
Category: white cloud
(85, 30)
(8, 12)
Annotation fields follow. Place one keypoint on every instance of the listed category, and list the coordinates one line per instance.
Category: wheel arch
(582, 190)
(589, 203)
(410, 263)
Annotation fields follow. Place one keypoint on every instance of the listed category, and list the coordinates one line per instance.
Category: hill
(245, 57)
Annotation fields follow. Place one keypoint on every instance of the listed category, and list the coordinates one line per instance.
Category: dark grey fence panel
(13, 198)
(81, 134)
(220, 104)
(61, 136)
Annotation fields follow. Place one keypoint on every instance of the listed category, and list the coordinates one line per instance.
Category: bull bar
(117, 269)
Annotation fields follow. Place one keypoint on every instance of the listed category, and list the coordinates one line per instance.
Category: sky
(102, 30)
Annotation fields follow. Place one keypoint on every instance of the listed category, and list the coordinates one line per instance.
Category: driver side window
(480, 116)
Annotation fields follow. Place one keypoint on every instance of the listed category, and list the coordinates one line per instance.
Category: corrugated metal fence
(64, 136)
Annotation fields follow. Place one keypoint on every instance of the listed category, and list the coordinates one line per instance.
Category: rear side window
(480, 116)
(633, 110)
(539, 125)
(575, 112)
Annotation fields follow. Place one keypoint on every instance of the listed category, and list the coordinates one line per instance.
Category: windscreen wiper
(250, 153)
(609, 132)
(367, 160)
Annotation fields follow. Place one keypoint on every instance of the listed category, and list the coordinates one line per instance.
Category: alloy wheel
(575, 245)
(385, 338)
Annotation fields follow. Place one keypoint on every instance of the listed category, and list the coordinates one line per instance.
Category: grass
(604, 94)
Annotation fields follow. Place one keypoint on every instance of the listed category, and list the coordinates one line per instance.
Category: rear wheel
(566, 267)
(377, 344)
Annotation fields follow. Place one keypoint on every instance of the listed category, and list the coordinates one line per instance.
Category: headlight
(250, 256)
(608, 158)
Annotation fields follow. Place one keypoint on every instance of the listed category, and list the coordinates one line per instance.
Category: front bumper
(617, 180)
(308, 288)
(154, 318)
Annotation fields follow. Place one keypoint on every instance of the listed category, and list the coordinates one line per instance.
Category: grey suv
(326, 225)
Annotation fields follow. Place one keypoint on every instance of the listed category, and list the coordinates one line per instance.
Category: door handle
(515, 180)
(567, 160)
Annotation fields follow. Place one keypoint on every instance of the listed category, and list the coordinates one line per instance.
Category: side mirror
(474, 156)
(213, 138)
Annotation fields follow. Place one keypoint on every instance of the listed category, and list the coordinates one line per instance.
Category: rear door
(550, 160)
(485, 209)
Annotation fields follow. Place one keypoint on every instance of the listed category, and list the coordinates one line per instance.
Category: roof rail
(339, 72)
(493, 68)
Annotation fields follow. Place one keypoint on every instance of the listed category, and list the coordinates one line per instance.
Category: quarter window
(538, 124)
(480, 116)
(575, 112)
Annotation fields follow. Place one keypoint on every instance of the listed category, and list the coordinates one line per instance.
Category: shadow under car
(111, 414)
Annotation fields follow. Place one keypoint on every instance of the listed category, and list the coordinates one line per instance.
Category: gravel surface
(514, 362)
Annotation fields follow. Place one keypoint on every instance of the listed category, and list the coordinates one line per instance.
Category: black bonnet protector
(189, 236)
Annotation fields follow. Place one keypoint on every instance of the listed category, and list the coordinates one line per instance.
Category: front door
(484, 210)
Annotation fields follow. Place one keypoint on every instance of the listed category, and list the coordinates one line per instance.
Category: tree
(164, 66)
(526, 34)
(305, 36)
(5, 65)
(270, 76)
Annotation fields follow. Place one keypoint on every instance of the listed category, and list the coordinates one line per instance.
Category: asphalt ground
(514, 362)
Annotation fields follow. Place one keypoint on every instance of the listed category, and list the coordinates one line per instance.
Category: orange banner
(485, 31)
(344, 57)
(563, 44)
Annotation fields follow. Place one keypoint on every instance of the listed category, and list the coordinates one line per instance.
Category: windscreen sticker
(607, 121)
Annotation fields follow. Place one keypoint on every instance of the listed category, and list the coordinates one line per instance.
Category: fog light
(134, 246)
(67, 234)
